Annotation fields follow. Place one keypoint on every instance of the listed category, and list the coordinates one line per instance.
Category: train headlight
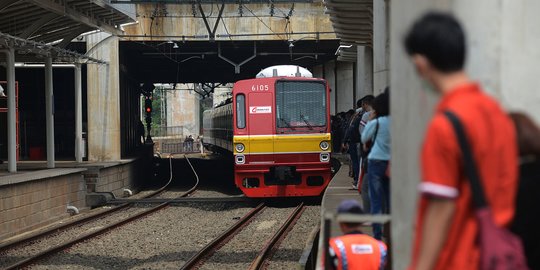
(239, 147)
(324, 157)
(240, 159)
(324, 145)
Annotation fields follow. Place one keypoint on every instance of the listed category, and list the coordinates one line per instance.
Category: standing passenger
(378, 132)
(367, 102)
(447, 230)
(352, 140)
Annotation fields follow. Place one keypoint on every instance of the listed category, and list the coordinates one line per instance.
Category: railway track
(57, 248)
(260, 261)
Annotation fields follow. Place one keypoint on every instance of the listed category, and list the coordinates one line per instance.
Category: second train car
(277, 126)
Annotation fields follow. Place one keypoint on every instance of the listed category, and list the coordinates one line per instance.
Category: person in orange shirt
(355, 250)
(446, 229)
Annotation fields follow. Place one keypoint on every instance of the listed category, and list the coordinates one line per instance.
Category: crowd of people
(364, 133)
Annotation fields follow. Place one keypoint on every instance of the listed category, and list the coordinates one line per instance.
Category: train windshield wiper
(286, 123)
(306, 121)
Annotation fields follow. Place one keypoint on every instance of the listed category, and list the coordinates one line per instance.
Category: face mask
(428, 87)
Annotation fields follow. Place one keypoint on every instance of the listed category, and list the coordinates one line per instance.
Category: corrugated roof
(353, 23)
(25, 23)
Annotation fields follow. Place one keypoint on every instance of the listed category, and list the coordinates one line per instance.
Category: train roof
(284, 71)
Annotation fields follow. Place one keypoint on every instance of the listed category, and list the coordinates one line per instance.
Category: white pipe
(72, 210)
(11, 117)
(49, 113)
(78, 114)
(128, 192)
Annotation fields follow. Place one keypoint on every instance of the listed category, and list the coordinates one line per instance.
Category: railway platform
(37, 196)
(339, 189)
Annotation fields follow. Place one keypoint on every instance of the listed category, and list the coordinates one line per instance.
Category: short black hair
(381, 105)
(368, 99)
(359, 102)
(440, 38)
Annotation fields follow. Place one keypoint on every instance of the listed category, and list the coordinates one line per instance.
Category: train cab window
(240, 111)
(300, 104)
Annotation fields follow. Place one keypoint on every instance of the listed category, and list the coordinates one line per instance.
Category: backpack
(354, 135)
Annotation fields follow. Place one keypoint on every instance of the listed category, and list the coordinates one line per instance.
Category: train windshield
(300, 104)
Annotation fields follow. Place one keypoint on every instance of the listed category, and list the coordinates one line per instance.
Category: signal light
(148, 105)
(148, 109)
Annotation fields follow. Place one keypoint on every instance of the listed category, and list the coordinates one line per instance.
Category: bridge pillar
(364, 71)
(78, 114)
(49, 111)
(345, 86)
(11, 106)
(329, 73)
(103, 99)
(381, 53)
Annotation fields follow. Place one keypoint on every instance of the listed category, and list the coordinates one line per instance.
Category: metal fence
(180, 147)
(207, 1)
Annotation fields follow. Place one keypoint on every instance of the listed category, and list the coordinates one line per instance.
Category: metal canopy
(353, 22)
(203, 61)
(45, 27)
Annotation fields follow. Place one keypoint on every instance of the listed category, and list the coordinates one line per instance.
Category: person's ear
(422, 65)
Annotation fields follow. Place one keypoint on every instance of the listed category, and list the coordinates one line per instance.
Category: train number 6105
(260, 87)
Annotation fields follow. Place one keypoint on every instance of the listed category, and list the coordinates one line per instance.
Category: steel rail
(32, 259)
(222, 239)
(185, 200)
(263, 256)
(28, 261)
(8, 246)
(11, 245)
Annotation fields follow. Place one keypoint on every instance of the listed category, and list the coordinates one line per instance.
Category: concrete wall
(501, 55)
(330, 76)
(183, 109)
(317, 71)
(113, 178)
(341, 82)
(381, 43)
(364, 71)
(178, 20)
(345, 86)
(103, 99)
(29, 205)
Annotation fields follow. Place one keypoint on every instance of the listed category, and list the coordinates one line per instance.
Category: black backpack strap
(479, 198)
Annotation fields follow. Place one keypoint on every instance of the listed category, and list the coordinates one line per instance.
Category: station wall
(32, 204)
(35, 199)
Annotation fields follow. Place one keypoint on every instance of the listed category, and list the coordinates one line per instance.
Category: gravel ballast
(36, 246)
(168, 238)
(163, 240)
(291, 248)
(240, 251)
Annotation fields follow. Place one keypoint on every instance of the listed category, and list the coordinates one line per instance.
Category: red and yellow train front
(281, 137)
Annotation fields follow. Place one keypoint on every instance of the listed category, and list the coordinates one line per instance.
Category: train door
(261, 127)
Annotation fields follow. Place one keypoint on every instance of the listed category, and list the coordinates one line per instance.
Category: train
(277, 129)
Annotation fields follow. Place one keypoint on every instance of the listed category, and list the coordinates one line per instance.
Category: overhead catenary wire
(262, 21)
